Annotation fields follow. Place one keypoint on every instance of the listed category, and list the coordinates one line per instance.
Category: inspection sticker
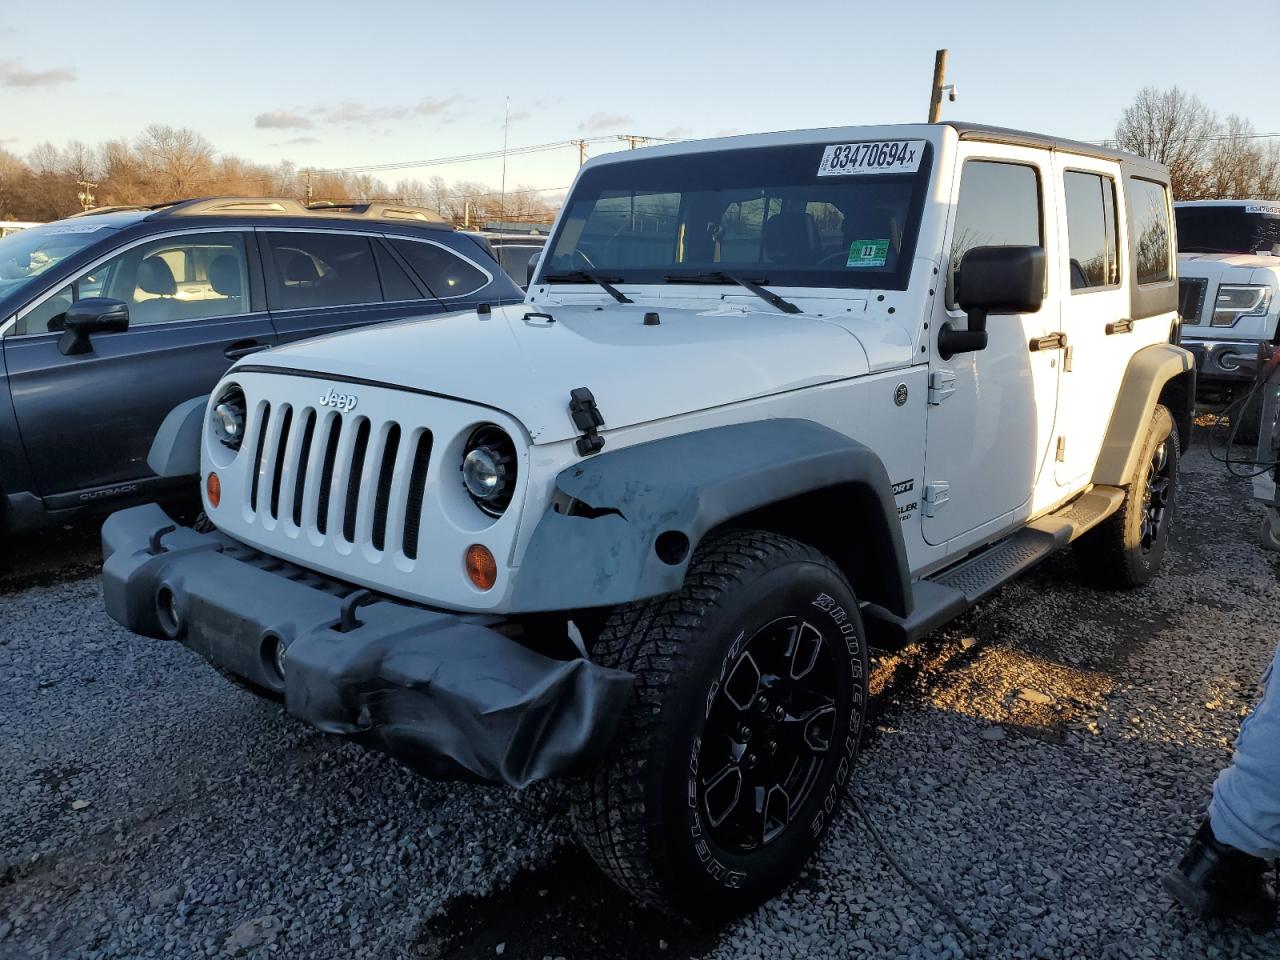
(1268, 209)
(868, 253)
(73, 228)
(879, 156)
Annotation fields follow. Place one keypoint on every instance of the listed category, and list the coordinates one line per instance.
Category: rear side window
(396, 284)
(321, 270)
(445, 273)
(1149, 226)
(1091, 230)
(999, 205)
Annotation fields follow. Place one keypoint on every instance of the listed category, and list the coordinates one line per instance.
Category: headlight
(489, 469)
(227, 416)
(1240, 300)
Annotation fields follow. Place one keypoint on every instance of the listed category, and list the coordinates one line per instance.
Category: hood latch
(587, 418)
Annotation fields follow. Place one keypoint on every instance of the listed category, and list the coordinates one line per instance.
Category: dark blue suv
(110, 319)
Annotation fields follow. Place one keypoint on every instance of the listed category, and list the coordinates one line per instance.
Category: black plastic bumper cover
(442, 692)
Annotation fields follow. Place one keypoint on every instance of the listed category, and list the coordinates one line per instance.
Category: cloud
(281, 120)
(432, 106)
(300, 141)
(603, 121)
(677, 133)
(520, 115)
(11, 75)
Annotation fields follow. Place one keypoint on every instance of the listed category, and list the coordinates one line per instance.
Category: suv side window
(320, 270)
(1149, 216)
(999, 205)
(186, 277)
(445, 273)
(1091, 230)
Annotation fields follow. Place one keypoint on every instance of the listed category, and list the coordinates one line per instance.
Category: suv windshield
(1239, 229)
(786, 216)
(24, 256)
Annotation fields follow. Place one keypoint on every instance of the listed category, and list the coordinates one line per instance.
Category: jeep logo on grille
(343, 402)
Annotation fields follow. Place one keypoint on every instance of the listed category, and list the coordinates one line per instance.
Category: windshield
(786, 216)
(1241, 229)
(25, 255)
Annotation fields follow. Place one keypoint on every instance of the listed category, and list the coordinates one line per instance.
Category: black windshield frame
(722, 172)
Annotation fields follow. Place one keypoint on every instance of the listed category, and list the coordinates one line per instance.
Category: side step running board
(948, 593)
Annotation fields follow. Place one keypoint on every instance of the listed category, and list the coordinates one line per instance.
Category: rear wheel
(1125, 550)
(749, 701)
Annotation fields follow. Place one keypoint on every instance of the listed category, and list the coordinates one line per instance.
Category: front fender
(598, 545)
(175, 451)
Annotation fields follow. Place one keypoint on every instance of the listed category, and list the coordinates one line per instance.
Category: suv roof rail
(289, 207)
(119, 208)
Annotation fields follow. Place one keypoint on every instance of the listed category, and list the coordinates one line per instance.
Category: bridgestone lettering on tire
(672, 817)
(1125, 550)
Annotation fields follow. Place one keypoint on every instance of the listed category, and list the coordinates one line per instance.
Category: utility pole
(582, 150)
(939, 78)
(85, 196)
(502, 197)
(633, 140)
(310, 188)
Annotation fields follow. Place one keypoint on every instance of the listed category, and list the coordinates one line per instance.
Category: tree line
(166, 163)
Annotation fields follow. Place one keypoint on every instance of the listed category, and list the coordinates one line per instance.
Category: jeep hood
(513, 359)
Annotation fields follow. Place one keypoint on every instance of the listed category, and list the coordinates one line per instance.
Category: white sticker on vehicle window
(878, 156)
(73, 228)
(868, 253)
(1267, 209)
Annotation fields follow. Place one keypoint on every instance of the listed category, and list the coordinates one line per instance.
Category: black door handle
(242, 348)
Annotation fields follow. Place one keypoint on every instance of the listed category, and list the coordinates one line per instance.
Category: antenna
(502, 197)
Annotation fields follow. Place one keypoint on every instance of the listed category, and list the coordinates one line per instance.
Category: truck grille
(1191, 291)
(340, 475)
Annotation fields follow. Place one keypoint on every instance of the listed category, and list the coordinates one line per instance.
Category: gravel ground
(1039, 765)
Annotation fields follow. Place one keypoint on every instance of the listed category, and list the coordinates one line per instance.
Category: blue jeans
(1245, 811)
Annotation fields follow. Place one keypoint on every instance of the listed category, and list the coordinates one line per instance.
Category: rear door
(88, 420)
(1095, 311)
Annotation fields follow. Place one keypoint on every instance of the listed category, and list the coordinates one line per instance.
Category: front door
(990, 418)
(87, 420)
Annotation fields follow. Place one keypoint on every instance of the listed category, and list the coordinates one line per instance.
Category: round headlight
(227, 416)
(489, 469)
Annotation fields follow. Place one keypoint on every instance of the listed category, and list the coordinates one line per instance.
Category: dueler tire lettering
(655, 826)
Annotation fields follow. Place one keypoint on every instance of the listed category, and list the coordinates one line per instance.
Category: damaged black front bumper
(443, 692)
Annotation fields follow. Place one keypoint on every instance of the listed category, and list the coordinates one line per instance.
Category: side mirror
(532, 268)
(993, 280)
(89, 316)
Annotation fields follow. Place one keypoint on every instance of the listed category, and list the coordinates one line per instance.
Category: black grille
(257, 459)
(383, 495)
(326, 475)
(281, 447)
(304, 458)
(353, 480)
(1191, 291)
(417, 485)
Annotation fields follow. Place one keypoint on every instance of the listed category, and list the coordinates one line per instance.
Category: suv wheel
(751, 690)
(1125, 550)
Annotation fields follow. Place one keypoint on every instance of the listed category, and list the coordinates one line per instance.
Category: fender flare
(175, 451)
(1162, 372)
(598, 543)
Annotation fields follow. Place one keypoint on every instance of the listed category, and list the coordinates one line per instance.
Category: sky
(342, 84)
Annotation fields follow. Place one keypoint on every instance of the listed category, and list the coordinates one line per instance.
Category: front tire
(1125, 550)
(751, 691)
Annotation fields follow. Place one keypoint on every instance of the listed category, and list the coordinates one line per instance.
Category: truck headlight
(489, 469)
(1240, 300)
(227, 416)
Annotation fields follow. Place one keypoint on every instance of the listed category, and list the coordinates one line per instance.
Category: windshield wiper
(581, 276)
(718, 276)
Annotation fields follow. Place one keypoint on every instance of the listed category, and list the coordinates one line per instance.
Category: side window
(174, 278)
(321, 270)
(999, 205)
(1091, 230)
(396, 284)
(446, 274)
(1149, 229)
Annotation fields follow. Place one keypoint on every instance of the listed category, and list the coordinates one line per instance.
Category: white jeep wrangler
(771, 399)
(1229, 299)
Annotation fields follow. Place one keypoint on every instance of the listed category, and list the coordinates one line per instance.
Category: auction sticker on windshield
(868, 253)
(1267, 209)
(879, 156)
(72, 228)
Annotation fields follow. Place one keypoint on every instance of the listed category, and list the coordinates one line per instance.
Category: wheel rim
(769, 731)
(1156, 497)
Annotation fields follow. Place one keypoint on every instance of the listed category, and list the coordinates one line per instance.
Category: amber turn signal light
(213, 488)
(482, 569)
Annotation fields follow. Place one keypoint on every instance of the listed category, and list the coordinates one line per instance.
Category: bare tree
(179, 158)
(1174, 128)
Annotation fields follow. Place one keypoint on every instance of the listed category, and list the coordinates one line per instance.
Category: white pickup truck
(1229, 296)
